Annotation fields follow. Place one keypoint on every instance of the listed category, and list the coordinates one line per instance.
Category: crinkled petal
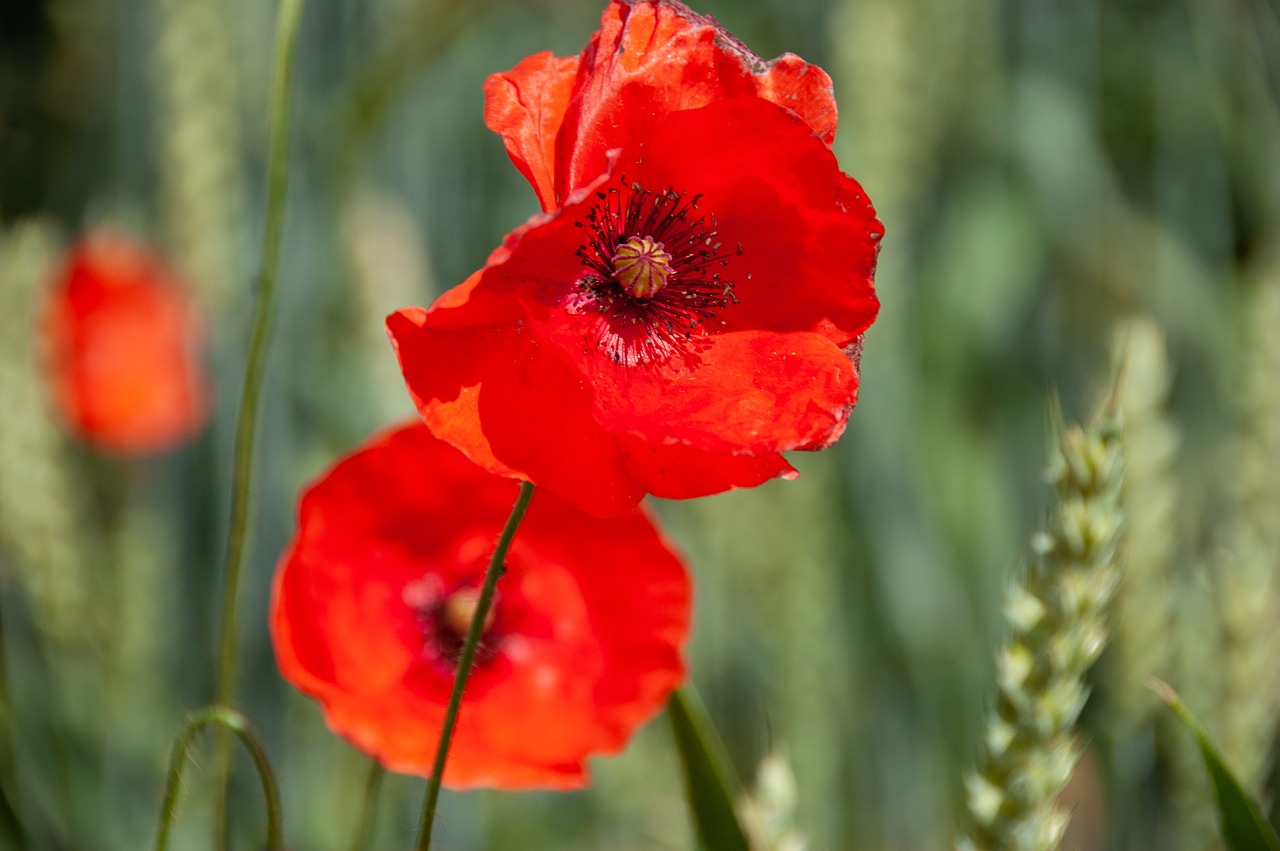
(804, 89)
(526, 106)
(809, 237)
(652, 58)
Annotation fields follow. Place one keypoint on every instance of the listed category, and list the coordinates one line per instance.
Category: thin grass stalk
(246, 426)
(1149, 495)
(238, 725)
(290, 13)
(465, 660)
(42, 506)
(1057, 618)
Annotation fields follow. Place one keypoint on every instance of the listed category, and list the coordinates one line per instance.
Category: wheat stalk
(1057, 620)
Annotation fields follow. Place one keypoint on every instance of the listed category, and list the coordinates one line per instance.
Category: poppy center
(444, 618)
(459, 608)
(654, 269)
(642, 266)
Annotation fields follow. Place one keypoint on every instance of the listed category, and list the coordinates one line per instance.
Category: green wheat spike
(1230, 614)
(768, 811)
(202, 184)
(1057, 621)
(1248, 593)
(389, 266)
(42, 511)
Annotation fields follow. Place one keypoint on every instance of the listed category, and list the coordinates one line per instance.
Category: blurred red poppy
(373, 597)
(693, 301)
(122, 341)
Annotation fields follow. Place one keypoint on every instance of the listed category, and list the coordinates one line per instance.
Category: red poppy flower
(122, 340)
(374, 595)
(694, 300)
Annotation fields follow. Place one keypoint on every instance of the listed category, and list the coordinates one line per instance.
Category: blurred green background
(1049, 174)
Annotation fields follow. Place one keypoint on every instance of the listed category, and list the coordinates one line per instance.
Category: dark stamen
(649, 259)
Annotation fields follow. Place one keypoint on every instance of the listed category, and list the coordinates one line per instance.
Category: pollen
(642, 266)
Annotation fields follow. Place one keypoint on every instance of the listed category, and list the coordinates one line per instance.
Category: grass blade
(710, 785)
(1244, 828)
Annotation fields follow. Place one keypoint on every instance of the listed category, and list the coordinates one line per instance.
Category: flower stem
(237, 724)
(242, 464)
(369, 809)
(465, 660)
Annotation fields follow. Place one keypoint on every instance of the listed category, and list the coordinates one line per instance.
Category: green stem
(237, 724)
(369, 809)
(465, 660)
(286, 39)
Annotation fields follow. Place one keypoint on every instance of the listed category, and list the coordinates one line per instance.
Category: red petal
(804, 89)
(645, 627)
(655, 57)
(753, 392)
(809, 236)
(526, 106)
(484, 384)
(683, 472)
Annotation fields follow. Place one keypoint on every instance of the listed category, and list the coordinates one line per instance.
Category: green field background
(1058, 180)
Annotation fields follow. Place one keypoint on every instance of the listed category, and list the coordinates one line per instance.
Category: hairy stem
(465, 661)
(238, 725)
(277, 170)
(286, 37)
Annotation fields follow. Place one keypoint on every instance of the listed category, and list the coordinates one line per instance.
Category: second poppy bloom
(693, 301)
(122, 344)
(375, 594)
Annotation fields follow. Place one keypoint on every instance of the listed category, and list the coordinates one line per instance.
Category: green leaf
(710, 784)
(1244, 828)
